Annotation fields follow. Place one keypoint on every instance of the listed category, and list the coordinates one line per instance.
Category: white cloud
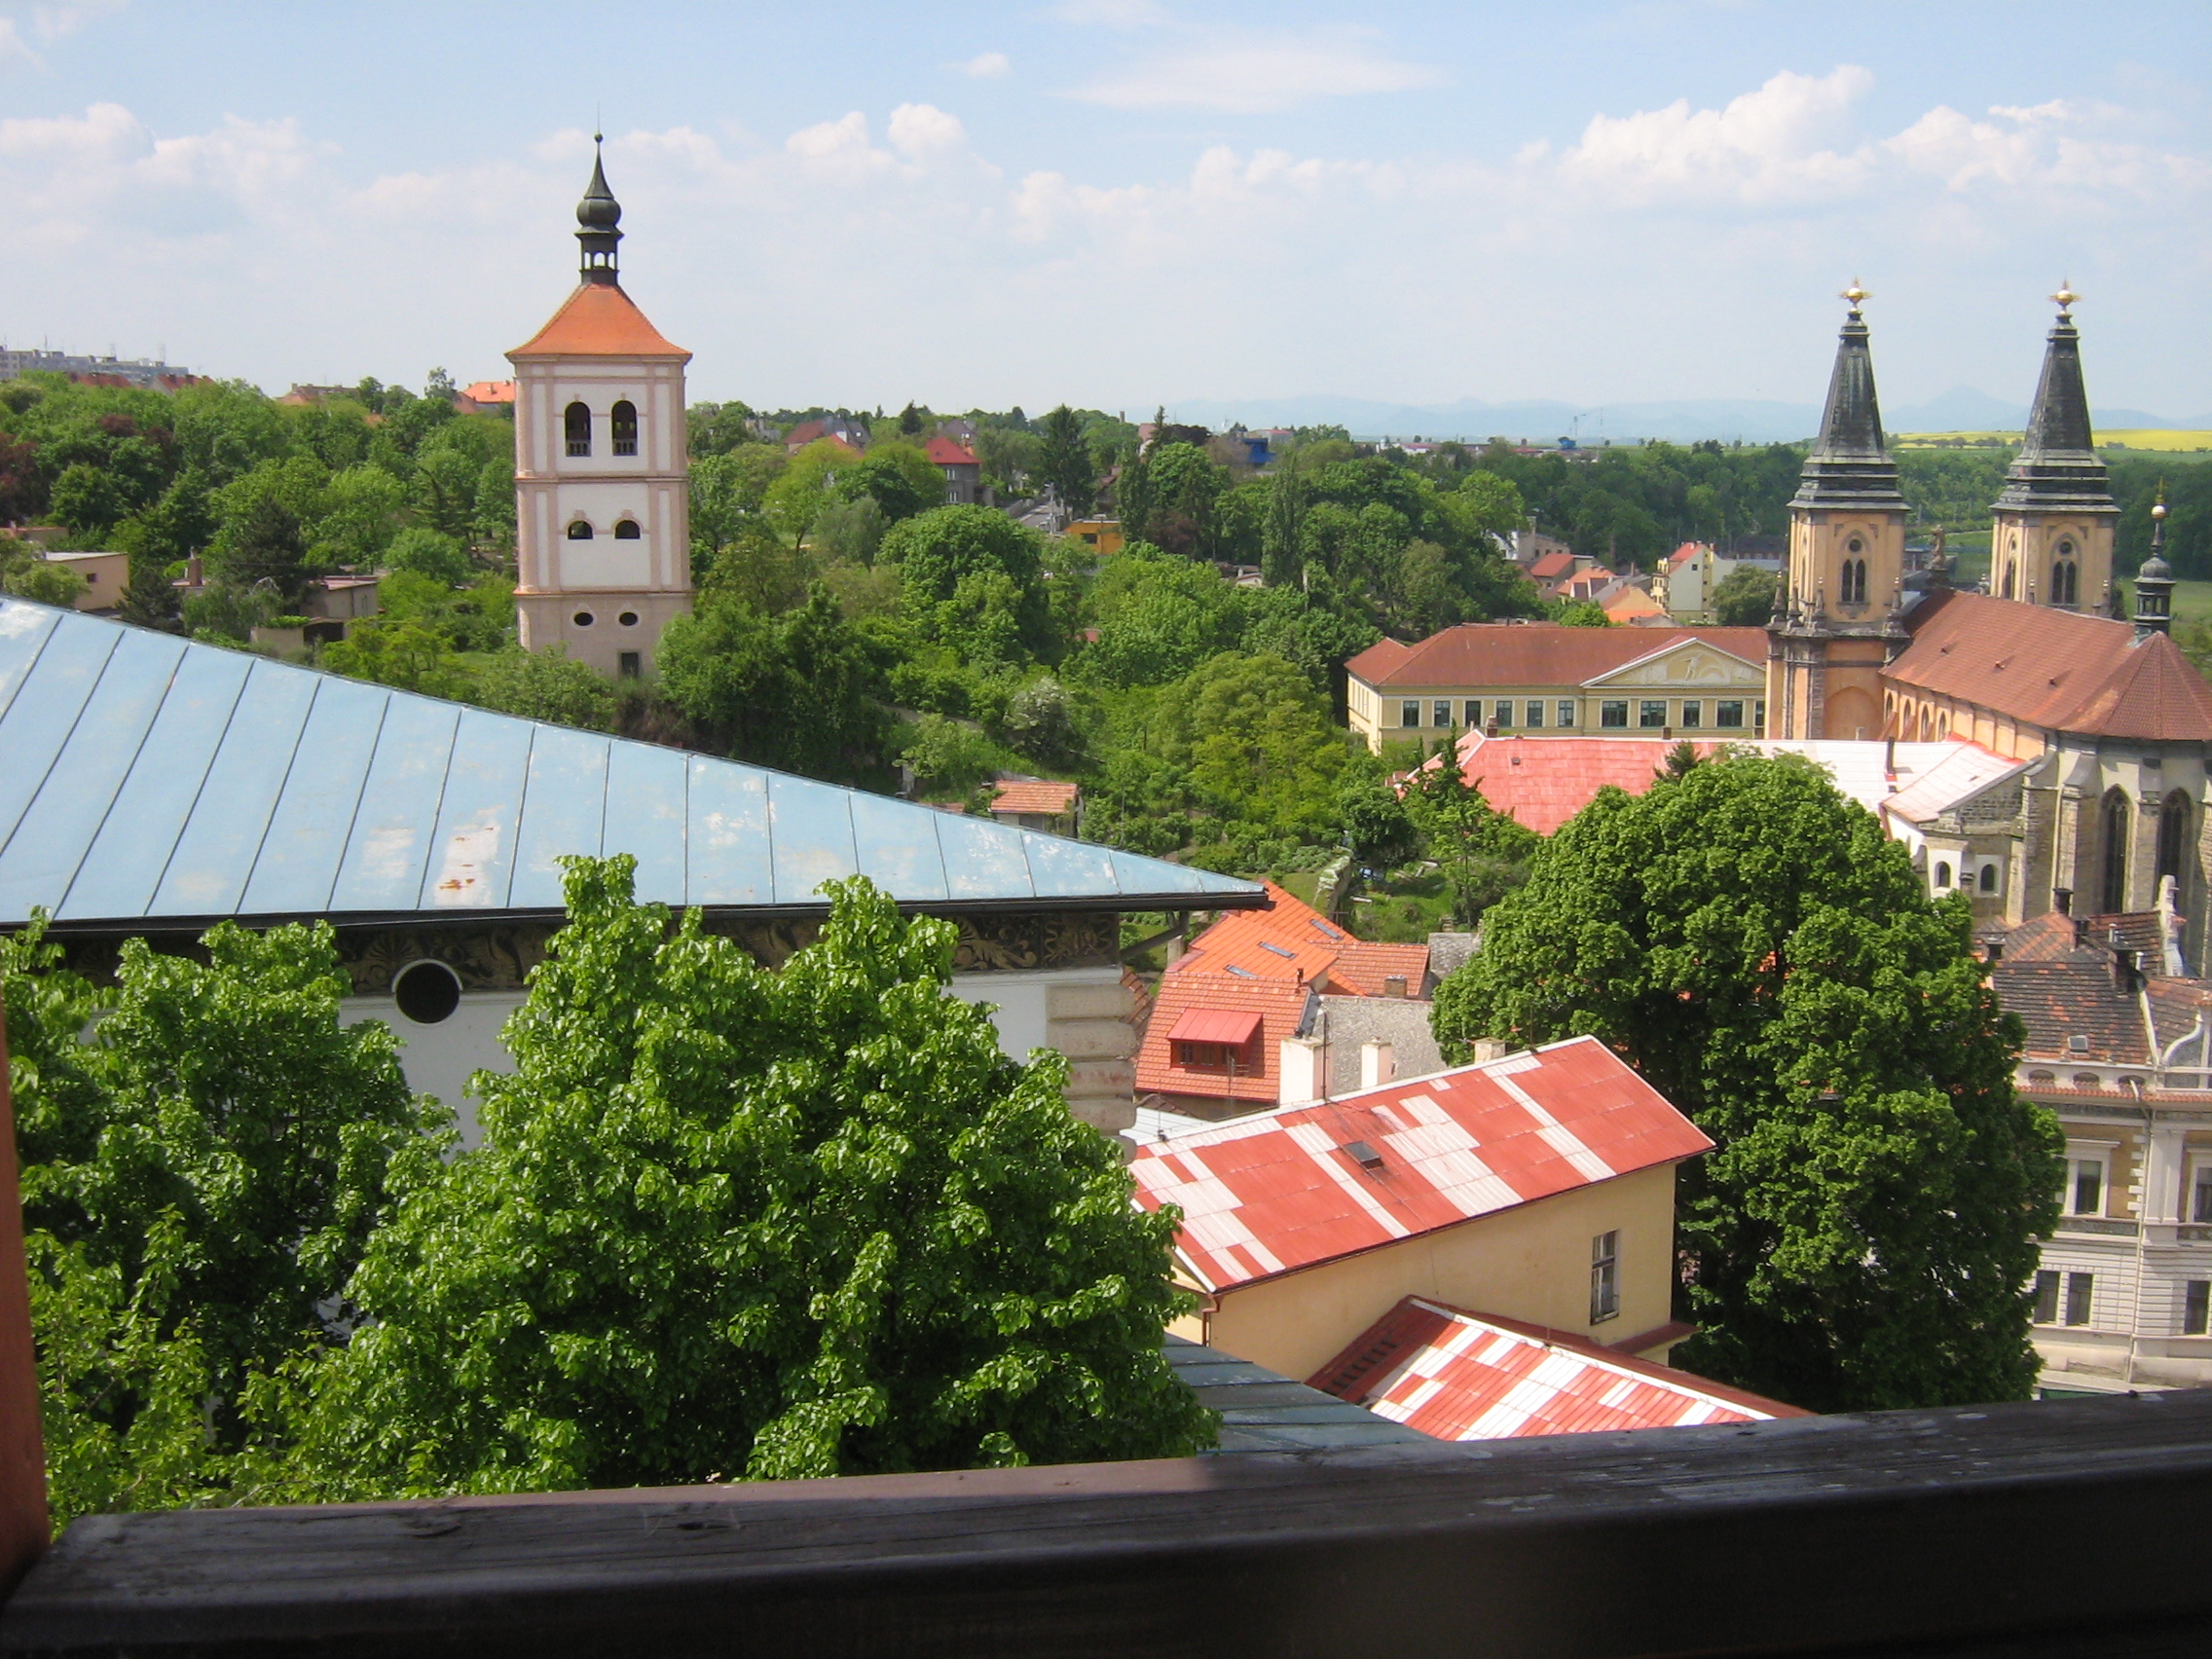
(1246, 75)
(986, 65)
(1764, 145)
(49, 23)
(923, 129)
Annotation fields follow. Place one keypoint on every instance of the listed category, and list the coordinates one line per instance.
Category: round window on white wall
(426, 992)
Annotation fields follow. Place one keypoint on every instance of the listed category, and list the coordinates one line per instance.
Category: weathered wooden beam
(2050, 1528)
(24, 1524)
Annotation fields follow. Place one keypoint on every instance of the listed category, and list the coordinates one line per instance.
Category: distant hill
(1749, 420)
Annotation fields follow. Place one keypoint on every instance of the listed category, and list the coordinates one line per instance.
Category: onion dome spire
(1850, 466)
(2057, 469)
(2155, 580)
(598, 219)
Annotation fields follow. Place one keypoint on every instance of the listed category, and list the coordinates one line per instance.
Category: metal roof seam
(352, 819)
(30, 668)
(522, 806)
(59, 748)
(199, 789)
(61, 900)
(299, 737)
(427, 885)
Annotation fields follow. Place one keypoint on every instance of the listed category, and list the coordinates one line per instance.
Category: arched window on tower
(1854, 580)
(1988, 879)
(624, 423)
(627, 531)
(2008, 585)
(577, 422)
(580, 531)
(2114, 815)
(2176, 827)
(2065, 579)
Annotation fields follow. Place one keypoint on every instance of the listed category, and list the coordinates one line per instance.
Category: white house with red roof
(1540, 1185)
(1460, 1376)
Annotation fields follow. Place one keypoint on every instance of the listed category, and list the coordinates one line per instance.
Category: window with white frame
(1501, 714)
(1693, 714)
(2046, 1298)
(1443, 711)
(1729, 712)
(1613, 713)
(2200, 1187)
(2089, 1173)
(1652, 713)
(1566, 710)
(1605, 1277)
(2081, 1289)
(1409, 713)
(1535, 714)
(1474, 712)
(2196, 1307)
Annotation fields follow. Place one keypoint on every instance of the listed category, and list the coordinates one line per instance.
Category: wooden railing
(2054, 1529)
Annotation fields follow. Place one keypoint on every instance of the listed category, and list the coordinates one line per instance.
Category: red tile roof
(1362, 966)
(1542, 782)
(599, 321)
(1632, 601)
(1683, 553)
(1288, 939)
(1535, 653)
(1278, 1004)
(1460, 1376)
(1549, 567)
(1278, 1190)
(1035, 796)
(944, 451)
(1233, 1027)
(2054, 669)
(491, 391)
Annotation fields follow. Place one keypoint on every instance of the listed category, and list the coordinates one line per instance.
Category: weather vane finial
(1855, 293)
(2066, 296)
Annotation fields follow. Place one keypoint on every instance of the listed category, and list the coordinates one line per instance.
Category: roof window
(1286, 955)
(1363, 1155)
(2076, 1044)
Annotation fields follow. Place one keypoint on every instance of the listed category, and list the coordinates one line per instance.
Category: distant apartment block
(109, 371)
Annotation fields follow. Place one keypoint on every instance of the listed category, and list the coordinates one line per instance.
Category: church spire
(1850, 466)
(2155, 580)
(599, 217)
(2057, 469)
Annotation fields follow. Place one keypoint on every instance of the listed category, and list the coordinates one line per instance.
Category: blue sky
(1120, 202)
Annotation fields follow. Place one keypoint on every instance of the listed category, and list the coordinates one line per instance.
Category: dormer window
(624, 424)
(578, 422)
(627, 531)
(580, 531)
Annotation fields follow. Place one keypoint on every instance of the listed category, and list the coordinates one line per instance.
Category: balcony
(1925, 1532)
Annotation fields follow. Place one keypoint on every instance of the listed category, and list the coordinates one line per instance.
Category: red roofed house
(481, 397)
(963, 473)
(1460, 1376)
(603, 526)
(1541, 677)
(1038, 803)
(1213, 1046)
(1541, 1185)
(847, 433)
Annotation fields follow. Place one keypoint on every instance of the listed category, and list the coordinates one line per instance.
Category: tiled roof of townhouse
(1550, 567)
(1287, 1188)
(944, 451)
(1365, 967)
(1292, 939)
(1536, 653)
(1243, 1011)
(1460, 1376)
(1034, 795)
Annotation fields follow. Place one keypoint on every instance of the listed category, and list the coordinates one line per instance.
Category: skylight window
(1240, 972)
(1286, 955)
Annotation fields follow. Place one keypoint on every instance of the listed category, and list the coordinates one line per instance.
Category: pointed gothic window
(2116, 828)
(2008, 594)
(580, 531)
(2173, 841)
(577, 422)
(2065, 583)
(624, 422)
(1854, 580)
(627, 531)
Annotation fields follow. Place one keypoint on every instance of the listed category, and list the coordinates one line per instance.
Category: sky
(1120, 204)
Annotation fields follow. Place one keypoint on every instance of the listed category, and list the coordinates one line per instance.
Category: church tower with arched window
(2051, 542)
(1838, 611)
(603, 524)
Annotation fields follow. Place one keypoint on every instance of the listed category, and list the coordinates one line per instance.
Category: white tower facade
(603, 519)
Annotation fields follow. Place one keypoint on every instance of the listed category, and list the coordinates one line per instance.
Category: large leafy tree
(1255, 740)
(1758, 948)
(1066, 461)
(727, 1221)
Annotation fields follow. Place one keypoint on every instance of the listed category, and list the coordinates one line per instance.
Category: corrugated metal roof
(1277, 1190)
(1460, 1376)
(146, 778)
(1265, 1410)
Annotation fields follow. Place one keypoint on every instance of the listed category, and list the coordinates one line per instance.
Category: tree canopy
(1752, 944)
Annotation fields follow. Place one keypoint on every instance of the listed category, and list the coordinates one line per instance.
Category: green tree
(25, 572)
(430, 553)
(1379, 830)
(264, 545)
(1168, 496)
(1744, 598)
(360, 513)
(87, 499)
(948, 758)
(546, 685)
(407, 652)
(898, 477)
(1064, 461)
(1758, 948)
(1256, 739)
(728, 1221)
(1485, 853)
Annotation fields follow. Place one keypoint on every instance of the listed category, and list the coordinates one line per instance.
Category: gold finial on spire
(1855, 293)
(2066, 296)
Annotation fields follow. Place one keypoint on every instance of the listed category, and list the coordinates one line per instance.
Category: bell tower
(1838, 611)
(2052, 541)
(603, 509)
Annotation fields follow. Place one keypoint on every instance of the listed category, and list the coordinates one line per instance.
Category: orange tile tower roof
(599, 321)
(1277, 1004)
(1535, 653)
(2054, 669)
(1277, 1191)
(1462, 1376)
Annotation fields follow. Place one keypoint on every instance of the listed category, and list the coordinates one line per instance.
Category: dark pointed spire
(2155, 580)
(1850, 466)
(2057, 469)
(598, 218)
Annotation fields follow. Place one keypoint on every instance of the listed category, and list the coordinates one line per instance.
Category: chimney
(1377, 1064)
(1394, 985)
(1488, 1048)
(1302, 1061)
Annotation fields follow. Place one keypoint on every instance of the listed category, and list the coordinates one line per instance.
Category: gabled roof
(944, 451)
(1542, 782)
(1534, 653)
(1549, 567)
(1968, 770)
(2054, 669)
(146, 779)
(1364, 965)
(1289, 940)
(1630, 603)
(599, 321)
(1460, 1376)
(1031, 794)
(1279, 1006)
(1278, 1190)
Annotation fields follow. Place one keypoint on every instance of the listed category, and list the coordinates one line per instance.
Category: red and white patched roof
(1301, 1185)
(1460, 1376)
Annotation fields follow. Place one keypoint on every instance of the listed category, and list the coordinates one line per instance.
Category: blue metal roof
(144, 777)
